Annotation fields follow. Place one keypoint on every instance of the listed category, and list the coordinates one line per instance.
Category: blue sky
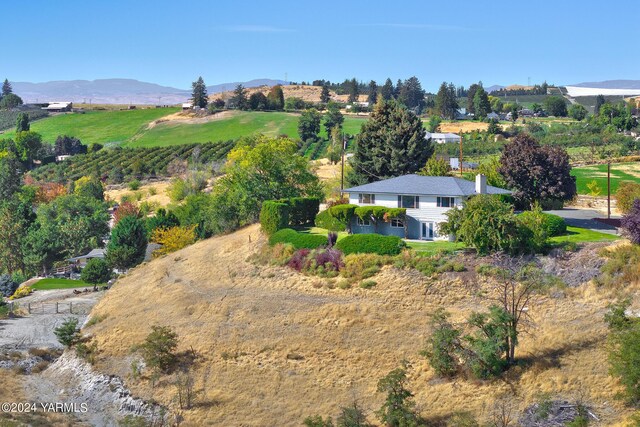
(172, 42)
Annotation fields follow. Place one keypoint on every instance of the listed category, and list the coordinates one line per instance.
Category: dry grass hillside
(275, 346)
(304, 92)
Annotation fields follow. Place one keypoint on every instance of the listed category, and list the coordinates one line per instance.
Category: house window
(409, 202)
(397, 223)
(446, 202)
(363, 222)
(369, 199)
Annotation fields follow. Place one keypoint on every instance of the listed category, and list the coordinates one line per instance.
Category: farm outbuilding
(442, 138)
(59, 107)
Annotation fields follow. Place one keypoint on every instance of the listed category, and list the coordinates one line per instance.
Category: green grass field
(48, 284)
(582, 235)
(619, 172)
(129, 127)
(101, 127)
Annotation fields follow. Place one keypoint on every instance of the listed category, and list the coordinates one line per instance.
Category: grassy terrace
(49, 284)
(619, 172)
(130, 127)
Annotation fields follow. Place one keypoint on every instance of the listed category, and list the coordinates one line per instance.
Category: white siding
(428, 208)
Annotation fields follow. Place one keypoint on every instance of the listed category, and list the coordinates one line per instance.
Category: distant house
(461, 114)
(494, 116)
(59, 107)
(187, 106)
(82, 260)
(454, 163)
(426, 198)
(442, 138)
(63, 157)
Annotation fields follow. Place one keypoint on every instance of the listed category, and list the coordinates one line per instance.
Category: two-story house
(426, 199)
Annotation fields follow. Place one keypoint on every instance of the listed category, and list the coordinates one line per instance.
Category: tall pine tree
(325, 95)
(6, 88)
(373, 93)
(446, 103)
(391, 143)
(199, 94)
(386, 91)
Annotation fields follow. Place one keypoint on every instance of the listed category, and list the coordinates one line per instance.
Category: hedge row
(298, 240)
(325, 220)
(371, 244)
(274, 216)
(278, 214)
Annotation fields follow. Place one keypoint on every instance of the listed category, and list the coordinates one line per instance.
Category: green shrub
(158, 349)
(134, 185)
(96, 271)
(368, 284)
(371, 243)
(325, 220)
(362, 266)
(553, 225)
(274, 216)
(297, 240)
(68, 333)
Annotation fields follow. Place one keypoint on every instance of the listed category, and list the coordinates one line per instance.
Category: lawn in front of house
(52, 283)
(582, 235)
(433, 248)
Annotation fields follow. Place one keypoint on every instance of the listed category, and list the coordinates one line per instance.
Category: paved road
(585, 218)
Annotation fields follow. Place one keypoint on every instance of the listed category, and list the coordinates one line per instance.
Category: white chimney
(481, 184)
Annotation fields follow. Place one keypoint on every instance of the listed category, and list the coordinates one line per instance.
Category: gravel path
(36, 330)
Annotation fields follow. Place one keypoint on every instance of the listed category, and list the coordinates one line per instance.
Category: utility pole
(460, 160)
(344, 147)
(609, 190)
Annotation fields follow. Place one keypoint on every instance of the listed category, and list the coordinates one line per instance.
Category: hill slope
(275, 346)
(166, 126)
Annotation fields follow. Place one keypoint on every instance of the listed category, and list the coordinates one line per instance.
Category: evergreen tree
(446, 103)
(599, 102)
(353, 90)
(276, 98)
(471, 93)
(373, 93)
(239, 98)
(199, 93)
(391, 143)
(6, 88)
(128, 243)
(325, 95)
(481, 104)
(397, 91)
(386, 91)
(412, 94)
(22, 123)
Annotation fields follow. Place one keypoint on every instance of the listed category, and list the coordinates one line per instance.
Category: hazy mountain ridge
(611, 84)
(116, 91)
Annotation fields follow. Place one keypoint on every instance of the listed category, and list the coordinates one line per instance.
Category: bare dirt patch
(246, 323)
(189, 118)
(466, 126)
(304, 92)
(154, 193)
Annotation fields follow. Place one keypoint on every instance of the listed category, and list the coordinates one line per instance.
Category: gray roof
(424, 185)
(95, 253)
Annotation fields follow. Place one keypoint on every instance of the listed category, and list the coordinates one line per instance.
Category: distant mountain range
(117, 91)
(611, 84)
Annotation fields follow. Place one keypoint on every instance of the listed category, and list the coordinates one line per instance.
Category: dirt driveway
(48, 310)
